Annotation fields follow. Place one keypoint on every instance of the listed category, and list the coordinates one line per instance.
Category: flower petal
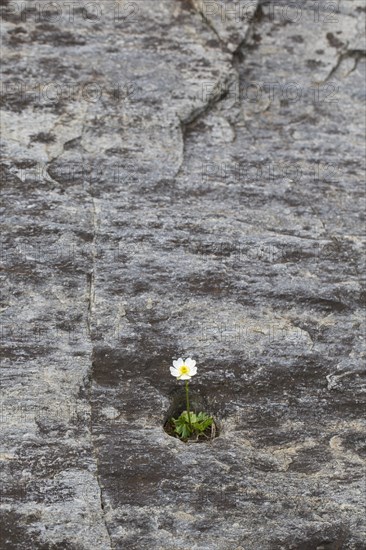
(178, 363)
(185, 377)
(190, 362)
(193, 371)
(174, 371)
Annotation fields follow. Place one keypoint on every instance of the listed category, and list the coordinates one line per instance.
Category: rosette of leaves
(191, 424)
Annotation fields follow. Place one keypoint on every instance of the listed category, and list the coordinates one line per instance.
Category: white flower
(184, 370)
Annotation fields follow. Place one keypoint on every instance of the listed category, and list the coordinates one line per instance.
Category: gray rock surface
(183, 178)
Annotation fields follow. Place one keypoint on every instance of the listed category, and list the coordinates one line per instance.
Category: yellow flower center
(184, 370)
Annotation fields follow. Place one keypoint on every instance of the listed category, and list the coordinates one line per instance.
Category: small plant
(189, 424)
(197, 424)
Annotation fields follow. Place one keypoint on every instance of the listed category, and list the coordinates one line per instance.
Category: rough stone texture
(192, 187)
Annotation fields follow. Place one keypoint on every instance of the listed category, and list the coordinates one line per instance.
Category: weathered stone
(183, 182)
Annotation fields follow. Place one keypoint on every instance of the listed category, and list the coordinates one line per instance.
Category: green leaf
(186, 432)
(199, 424)
(203, 422)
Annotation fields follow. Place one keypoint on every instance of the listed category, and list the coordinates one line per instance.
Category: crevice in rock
(193, 118)
(357, 55)
(101, 500)
(90, 309)
(91, 275)
(210, 25)
(96, 460)
(223, 87)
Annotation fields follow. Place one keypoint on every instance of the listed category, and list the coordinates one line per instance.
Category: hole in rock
(198, 403)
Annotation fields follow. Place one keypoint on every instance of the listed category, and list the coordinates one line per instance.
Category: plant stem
(188, 411)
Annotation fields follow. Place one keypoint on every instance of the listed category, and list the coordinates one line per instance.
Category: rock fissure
(90, 313)
(346, 53)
